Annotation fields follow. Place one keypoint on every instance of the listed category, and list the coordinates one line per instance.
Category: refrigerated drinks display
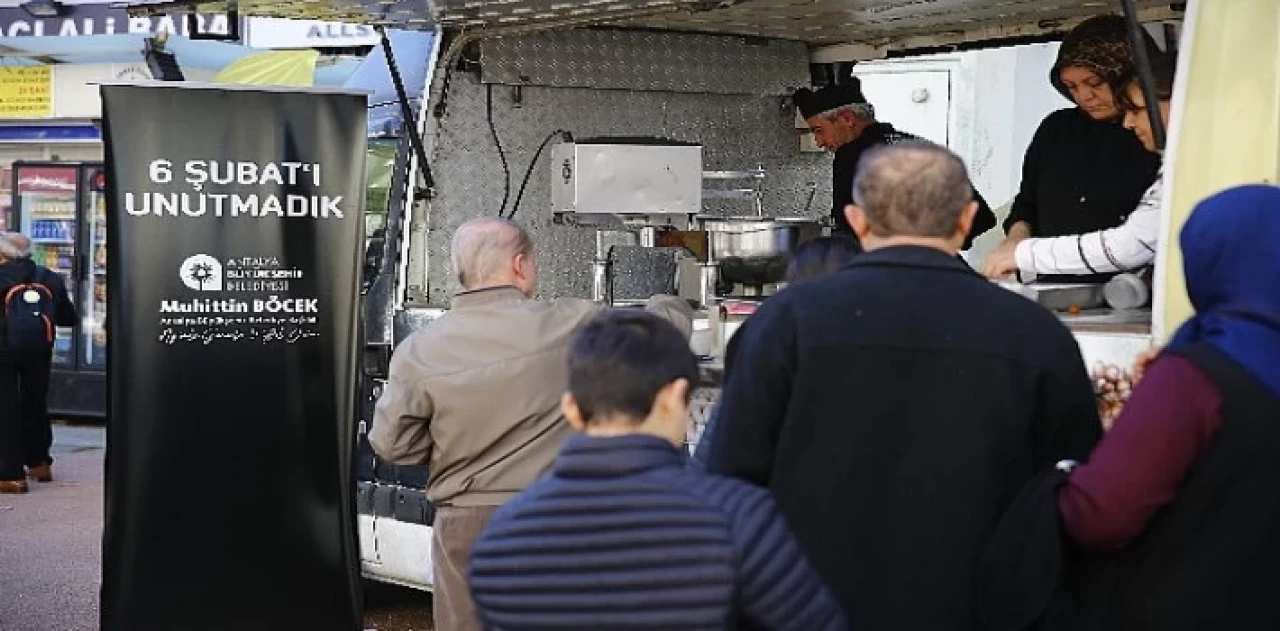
(93, 336)
(46, 201)
(6, 195)
(61, 207)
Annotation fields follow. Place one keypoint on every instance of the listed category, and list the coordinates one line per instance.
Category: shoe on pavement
(41, 473)
(14, 486)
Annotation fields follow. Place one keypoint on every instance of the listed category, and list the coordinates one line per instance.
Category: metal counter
(1107, 338)
(1109, 321)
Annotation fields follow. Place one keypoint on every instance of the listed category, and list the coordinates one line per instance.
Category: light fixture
(43, 8)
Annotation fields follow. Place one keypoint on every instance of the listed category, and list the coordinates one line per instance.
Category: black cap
(814, 102)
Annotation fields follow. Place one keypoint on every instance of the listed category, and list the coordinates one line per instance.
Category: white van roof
(879, 23)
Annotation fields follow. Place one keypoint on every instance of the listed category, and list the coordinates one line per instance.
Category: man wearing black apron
(844, 123)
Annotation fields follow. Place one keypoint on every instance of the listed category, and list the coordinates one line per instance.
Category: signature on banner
(264, 335)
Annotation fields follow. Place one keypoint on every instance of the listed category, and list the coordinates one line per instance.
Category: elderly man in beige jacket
(476, 396)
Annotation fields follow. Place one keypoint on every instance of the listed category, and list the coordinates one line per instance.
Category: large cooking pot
(755, 250)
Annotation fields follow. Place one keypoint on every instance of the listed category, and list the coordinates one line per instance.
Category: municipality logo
(201, 273)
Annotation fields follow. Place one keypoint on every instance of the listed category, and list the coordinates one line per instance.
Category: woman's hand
(1002, 262)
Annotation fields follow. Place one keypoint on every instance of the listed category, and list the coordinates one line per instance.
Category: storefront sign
(282, 33)
(235, 260)
(26, 91)
(102, 19)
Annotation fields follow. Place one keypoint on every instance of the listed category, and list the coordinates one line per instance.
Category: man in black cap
(843, 122)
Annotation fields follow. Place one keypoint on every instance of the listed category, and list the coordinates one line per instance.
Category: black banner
(234, 256)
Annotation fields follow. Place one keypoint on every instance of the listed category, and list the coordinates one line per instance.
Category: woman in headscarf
(1082, 172)
(1124, 248)
(1182, 492)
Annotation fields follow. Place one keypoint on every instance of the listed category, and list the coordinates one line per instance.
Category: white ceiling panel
(820, 22)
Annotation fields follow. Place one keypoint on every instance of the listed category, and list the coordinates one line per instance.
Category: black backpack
(27, 316)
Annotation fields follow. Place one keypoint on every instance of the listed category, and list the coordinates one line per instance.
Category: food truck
(560, 115)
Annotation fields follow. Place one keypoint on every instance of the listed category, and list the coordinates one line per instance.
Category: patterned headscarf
(1100, 44)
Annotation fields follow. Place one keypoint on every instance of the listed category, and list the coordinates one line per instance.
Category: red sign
(46, 180)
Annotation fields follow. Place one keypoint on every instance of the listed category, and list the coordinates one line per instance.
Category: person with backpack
(33, 303)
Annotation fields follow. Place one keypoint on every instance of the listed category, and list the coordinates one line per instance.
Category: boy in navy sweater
(623, 534)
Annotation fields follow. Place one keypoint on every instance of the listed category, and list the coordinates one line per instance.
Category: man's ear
(857, 219)
(572, 413)
(965, 223)
(847, 119)
(518, 263)
(672, 398)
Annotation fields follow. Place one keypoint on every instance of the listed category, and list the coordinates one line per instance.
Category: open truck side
(619, 67)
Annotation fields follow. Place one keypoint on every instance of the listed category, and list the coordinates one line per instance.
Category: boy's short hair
(621, 359)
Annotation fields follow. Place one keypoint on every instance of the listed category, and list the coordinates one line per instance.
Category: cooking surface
(875, 22)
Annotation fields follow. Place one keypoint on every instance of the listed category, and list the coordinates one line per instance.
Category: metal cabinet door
(914, 101)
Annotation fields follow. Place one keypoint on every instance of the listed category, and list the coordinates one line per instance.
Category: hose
(565, 137)
(502, 154)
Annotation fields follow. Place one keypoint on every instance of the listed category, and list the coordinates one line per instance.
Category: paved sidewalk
(50, 541)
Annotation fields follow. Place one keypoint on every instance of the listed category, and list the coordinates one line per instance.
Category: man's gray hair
(913, 188)
(865, 111)
(482, 247)
(14, 245)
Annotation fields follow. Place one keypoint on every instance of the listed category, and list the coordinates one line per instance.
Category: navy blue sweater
(623, 535)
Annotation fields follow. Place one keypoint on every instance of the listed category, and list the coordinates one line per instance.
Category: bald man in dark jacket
(896, 407)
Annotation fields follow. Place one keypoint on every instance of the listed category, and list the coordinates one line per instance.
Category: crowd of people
(1089, 203)
(899, 443)
(856, 477)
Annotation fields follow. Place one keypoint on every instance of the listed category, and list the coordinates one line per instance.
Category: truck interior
(1231, 75)
(836, 32)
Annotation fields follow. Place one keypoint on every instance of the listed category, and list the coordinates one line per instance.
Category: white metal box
(626, 177)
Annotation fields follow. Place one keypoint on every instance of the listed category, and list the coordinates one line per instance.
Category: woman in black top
(1083, 172)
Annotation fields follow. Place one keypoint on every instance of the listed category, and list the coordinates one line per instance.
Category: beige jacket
(476, 394)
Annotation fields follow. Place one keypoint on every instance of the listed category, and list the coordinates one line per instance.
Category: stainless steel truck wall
(728, 93)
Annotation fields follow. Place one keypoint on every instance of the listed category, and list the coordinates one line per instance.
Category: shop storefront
(52, 66)
(51, 152)
(48, 80)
